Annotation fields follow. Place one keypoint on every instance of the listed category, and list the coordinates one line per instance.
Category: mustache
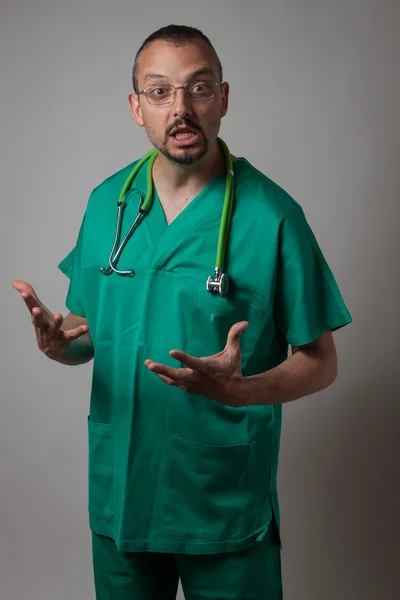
(184, 123)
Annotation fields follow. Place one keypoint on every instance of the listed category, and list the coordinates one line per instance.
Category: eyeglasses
(166, 94)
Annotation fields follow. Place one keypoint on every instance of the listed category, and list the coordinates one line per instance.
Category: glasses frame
(178, 87)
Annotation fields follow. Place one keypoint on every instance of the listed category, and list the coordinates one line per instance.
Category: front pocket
(212, 490)
(211, 320)
(101, 471)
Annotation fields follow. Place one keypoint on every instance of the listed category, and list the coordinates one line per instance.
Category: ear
(136, 110)
(224, 98)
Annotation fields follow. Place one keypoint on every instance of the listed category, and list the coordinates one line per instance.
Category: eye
(202, 89)
(199, 87)
(159, 92)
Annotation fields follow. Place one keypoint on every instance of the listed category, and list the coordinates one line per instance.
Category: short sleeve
(71, 266)
(308, 301)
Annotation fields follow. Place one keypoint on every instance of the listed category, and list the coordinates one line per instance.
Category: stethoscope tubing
(226, 216)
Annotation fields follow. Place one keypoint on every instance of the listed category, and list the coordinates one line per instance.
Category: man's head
(179, 56)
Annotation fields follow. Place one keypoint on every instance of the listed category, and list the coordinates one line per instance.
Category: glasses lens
(202, 90)
(160, 94)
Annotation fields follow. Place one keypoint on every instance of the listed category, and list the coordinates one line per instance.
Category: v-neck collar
(206, 205)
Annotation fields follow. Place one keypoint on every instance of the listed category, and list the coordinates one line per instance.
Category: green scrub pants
(250, 574)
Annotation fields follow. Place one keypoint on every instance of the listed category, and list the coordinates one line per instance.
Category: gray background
(314, 104)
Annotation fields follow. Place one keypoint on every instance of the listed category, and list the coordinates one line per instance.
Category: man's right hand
(52, 339)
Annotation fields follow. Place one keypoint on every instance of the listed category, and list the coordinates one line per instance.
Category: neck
(178, 177)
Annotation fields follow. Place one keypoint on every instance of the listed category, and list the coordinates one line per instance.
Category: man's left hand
(218, 377)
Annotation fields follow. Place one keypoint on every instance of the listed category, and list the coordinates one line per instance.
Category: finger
(23, 287)
(170, 381)
(74, 334)
(166, 380)
(27, 292)
(233, 340)
(174, 374)
(30, 300)
(189, 361)
(38, 319)
(56, 323)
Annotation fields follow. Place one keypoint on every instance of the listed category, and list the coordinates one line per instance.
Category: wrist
(255, 390)
(238, 392)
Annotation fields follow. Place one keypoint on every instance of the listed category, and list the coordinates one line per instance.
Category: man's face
(162, 63)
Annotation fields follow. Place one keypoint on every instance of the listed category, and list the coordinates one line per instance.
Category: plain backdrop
(314, 105)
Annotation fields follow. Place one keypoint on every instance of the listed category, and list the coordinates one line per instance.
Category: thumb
(233, 340)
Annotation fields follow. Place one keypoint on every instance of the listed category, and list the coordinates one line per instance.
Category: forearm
(309, 370)
(80, 351)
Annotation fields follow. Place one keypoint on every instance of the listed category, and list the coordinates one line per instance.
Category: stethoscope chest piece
(219, 283)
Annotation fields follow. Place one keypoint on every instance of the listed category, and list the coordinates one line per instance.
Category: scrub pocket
(212, 319)
(211, 491)
(101, 476)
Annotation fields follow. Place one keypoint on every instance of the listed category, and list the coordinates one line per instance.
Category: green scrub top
(171, 471)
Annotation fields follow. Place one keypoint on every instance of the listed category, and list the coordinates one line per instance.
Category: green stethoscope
(220, 282)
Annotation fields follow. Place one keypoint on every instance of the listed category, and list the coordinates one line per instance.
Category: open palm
(215, 377)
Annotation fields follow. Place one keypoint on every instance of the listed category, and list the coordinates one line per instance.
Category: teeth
(184, 135)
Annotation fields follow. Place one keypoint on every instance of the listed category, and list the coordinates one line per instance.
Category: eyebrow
(202, 71)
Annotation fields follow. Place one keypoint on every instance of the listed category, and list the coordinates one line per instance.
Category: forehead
(176, 62)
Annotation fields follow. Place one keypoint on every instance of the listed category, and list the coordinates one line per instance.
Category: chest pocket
(212, 319)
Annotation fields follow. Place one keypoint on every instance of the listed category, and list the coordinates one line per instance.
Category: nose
(182, 104)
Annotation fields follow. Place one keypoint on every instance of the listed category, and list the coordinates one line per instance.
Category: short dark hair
(179, 35)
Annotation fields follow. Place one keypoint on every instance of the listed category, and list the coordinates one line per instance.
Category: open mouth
(184, 135)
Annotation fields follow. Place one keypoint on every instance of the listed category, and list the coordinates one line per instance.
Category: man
(188, 385)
